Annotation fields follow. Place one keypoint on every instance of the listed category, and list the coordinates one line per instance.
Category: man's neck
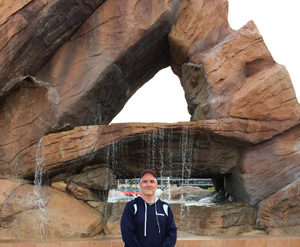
(148, 199)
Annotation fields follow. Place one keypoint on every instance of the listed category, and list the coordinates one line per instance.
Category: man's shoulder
(162, 202)
(134, 201)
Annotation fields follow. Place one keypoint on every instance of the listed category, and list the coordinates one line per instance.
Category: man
(147, 221)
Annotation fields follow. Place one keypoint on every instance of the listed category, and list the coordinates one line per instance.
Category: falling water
(186, 142)
(148, 147)
(161, 151)
(169, 188)
(114, 152)
(111, 156)
(170, 159)
(153, 147)
(38, 182)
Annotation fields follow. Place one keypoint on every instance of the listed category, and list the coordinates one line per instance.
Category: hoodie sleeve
(171, 231)
(127, 227)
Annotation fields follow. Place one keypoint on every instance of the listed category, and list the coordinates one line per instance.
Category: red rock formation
(31, 31)
(56, 74)
(129, 147)
(281, 210)
(89, 79)
(235, 77)
(239, 79)
(267, 168)
(46, 213)
(199, 26)
(132, 144)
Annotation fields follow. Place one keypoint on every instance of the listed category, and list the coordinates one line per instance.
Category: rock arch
(240, 100)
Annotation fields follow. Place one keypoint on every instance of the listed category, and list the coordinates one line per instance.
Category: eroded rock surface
(121, 46)
(76, 63)
(199, 26)
(267, 168)
(129, 147)
(42, 212)
(221, 220)
(31, 31)
(239, 79)
(281, 211)
(98, 179)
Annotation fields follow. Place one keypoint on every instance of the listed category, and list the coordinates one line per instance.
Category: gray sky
(162, 98)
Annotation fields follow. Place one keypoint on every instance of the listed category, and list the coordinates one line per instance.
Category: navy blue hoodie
(144, 225)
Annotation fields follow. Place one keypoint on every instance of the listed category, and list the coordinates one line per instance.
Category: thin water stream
(158, 151)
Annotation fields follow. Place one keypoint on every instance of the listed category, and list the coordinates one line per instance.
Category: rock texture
(121, 144)
(98, 179)
(65, 64)
(31, 212)
(86, 194)
(164, 147)
(267, 168)
(235, 77)
(199, 26)
(121, 46)
(230, 74)
(31, 31)
(221, 220)
(281, 211)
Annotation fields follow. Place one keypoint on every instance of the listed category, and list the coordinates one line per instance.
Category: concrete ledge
(258, 241)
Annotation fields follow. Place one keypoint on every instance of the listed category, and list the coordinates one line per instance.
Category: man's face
(148, 184)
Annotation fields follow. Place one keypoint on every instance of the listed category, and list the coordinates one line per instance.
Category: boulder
(216, 220)
(266, 168)
(112, 227)
(98, 179)
(59, 186)
(85, 194)
(281, 211)
(113, 213)
(33, 212)
(6, 188)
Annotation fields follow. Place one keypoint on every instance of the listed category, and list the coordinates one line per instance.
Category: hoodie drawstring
(157, 218)
(145, 226)
(145, 221)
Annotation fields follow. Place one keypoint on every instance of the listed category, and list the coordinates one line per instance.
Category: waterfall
(170, 152)
(161, 135)
(38, 183)
(186, 144)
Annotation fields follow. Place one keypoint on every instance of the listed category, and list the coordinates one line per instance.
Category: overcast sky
(162, 98)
